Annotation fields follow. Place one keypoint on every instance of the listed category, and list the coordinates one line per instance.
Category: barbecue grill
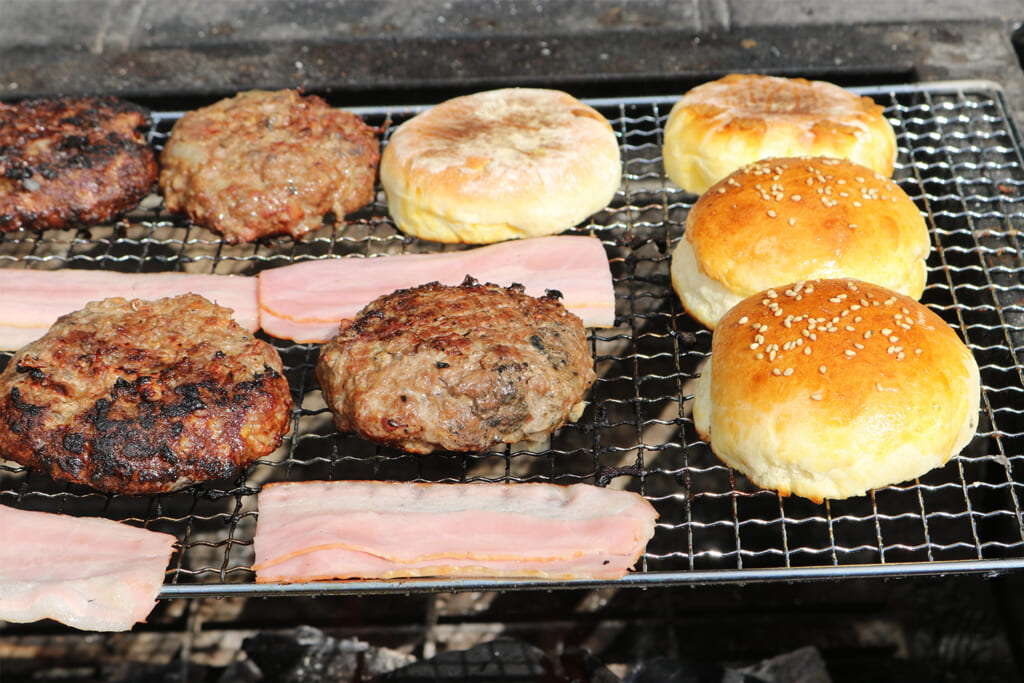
(960, 159)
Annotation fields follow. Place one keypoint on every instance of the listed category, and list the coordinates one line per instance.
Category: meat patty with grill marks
(141, 397)
(265, 163)
(72, 162)
(458, 368)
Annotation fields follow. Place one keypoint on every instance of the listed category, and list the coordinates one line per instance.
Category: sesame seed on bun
(780, 220)
(831, 388)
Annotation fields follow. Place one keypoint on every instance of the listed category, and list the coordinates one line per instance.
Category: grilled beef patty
(72, 162)
(266, 163)
(459, 368)
(141, 397)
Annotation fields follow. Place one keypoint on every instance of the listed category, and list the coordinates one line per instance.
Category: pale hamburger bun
(501, 164)
(781, 220)
(834, 387)
(722, 125)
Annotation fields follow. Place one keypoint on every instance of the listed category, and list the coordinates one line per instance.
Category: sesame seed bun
(719, 126)
(830, 388)
(797, 218)
(498, 165)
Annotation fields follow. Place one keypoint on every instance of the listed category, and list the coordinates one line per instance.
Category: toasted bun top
(800, 218)
(829, 388)
(721, 125)
(515, 161)
(753, 100)
(488, 135)
(840, 338)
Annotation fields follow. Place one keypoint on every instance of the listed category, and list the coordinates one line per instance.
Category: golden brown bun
(501, 164)
(835, 387)
(722, 125)
(782, 220)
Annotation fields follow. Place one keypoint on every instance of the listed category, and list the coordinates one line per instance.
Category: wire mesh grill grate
(960, 160)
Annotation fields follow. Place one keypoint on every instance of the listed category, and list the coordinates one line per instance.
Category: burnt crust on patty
(140, 397)
(264, 163)
(72, 162)
(457, 368)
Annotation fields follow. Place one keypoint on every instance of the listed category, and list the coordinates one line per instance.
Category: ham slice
(311, 531)
(86, 572)
(34, 299)
(305, 301)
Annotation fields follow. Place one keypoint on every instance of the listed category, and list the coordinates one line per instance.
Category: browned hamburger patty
(459, 368)
(141, 397)
(266, 163)
(72, 162)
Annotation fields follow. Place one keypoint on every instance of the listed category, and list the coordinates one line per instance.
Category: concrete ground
(391, 49)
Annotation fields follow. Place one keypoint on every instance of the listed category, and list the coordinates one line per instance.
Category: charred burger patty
(459, 368)
(141, 397)
(72, 162)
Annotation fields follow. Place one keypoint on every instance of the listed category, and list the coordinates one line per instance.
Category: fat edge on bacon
(311, 531)
(305, 302)
(86, 572)
(34, 299)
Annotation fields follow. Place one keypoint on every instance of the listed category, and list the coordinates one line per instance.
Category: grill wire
(959, 160)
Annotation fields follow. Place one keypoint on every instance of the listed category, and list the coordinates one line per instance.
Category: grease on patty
(461, 368)
(72, 162)
(266, 163)
(141, 397)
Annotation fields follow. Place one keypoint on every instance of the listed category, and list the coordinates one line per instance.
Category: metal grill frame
(960, 159)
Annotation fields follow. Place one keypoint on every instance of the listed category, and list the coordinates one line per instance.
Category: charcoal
(308, 655)
(669, 670)
(805, 665)
(499, 661)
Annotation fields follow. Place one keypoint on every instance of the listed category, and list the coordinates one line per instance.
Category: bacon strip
(305, 301)
(310, 531)
(89, 573)
(34, 299)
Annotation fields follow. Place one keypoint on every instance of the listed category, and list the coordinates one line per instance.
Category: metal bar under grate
(960, 159)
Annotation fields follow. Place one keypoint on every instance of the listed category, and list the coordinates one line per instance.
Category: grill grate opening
(961, 162)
